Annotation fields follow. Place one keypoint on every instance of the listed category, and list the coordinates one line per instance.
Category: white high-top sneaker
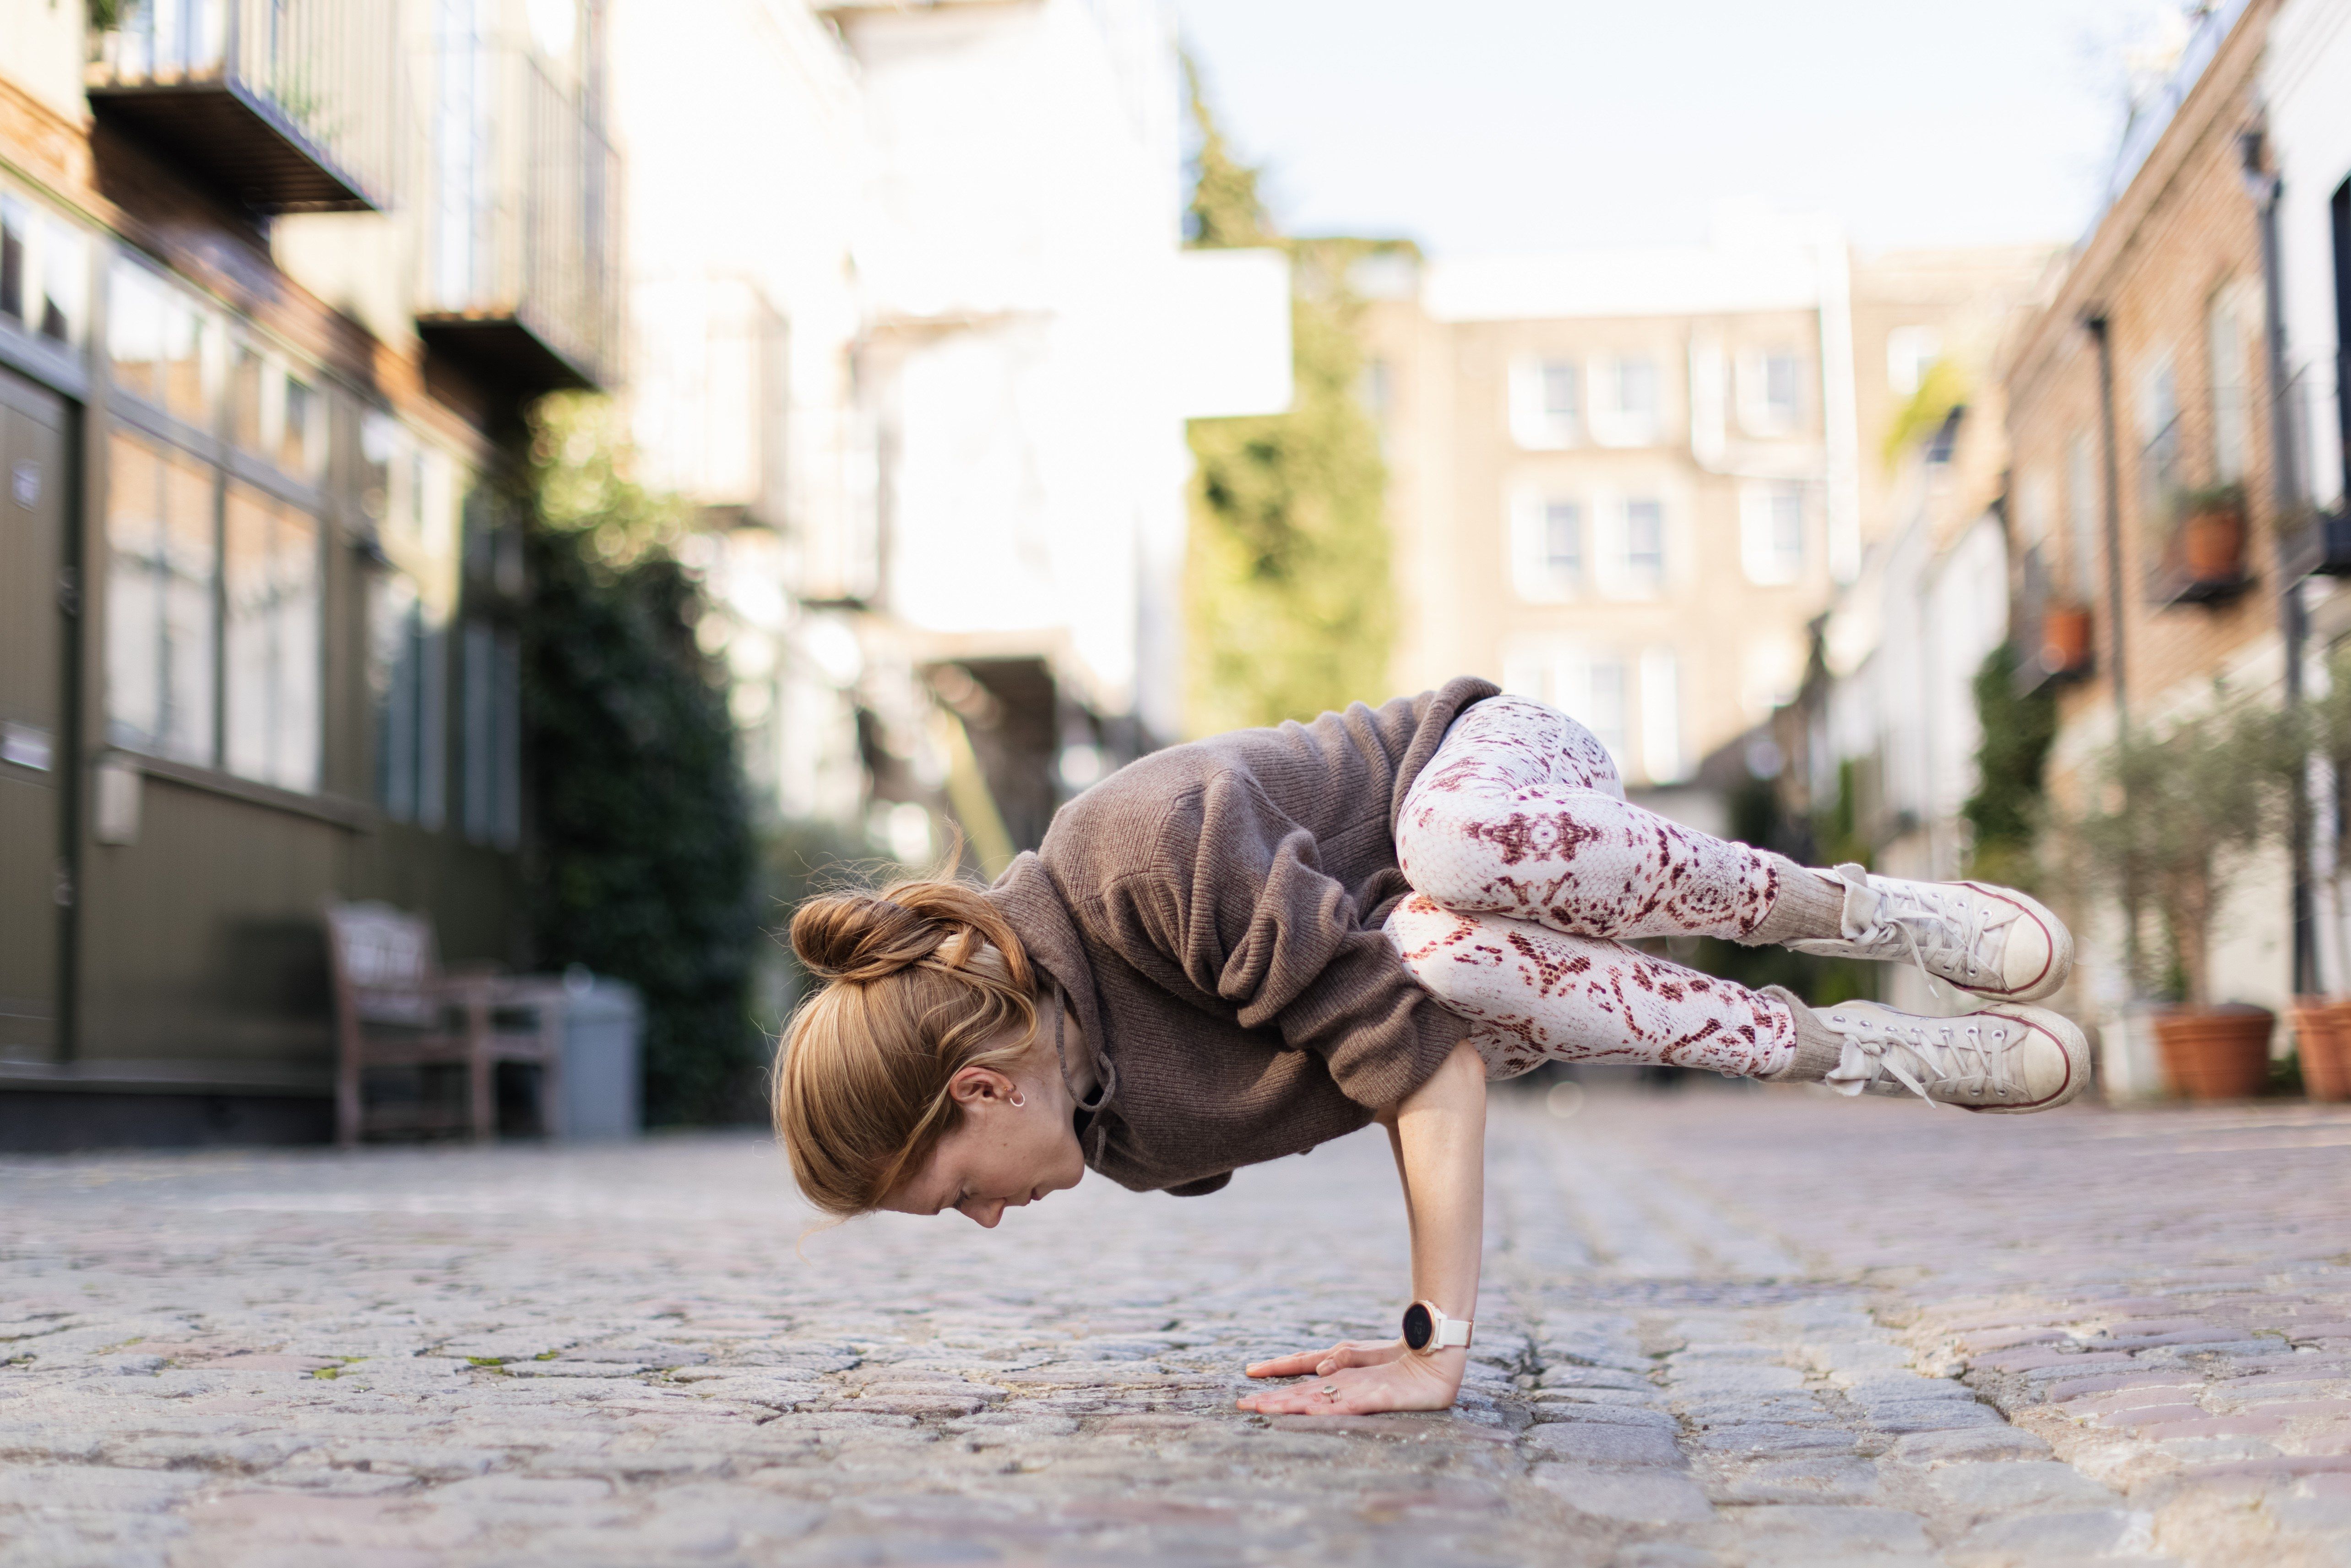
(1992, 941)
(2003, 1059)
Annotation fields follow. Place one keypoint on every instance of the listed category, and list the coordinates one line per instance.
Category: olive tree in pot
(2176, 818)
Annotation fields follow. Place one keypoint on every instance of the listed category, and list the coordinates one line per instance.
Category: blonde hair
(921, 981)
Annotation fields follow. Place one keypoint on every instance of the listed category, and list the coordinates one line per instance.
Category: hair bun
(856, 936)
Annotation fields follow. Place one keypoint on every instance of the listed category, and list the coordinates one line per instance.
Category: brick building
(2140, 399)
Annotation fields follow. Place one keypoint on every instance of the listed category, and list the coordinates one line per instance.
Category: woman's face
(1001, 1154)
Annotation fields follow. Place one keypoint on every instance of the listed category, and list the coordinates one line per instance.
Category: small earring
(1016, 1099)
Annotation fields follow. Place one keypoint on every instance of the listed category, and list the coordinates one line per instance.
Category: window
(1771, 532)
(1910, 353)
(413, 494)
(162, 562)
(272, 591)
(215, 587)
(2224, 339)
(275, 414)
(1546, 403)
(1562, 537)
(1546, 547)
(1661, 716)
(492, 721)
(160, 343)
(1644, 544)
(2080, 517)
(1770, 392)
(1625, 410)
(2162, 473)
(44, 265)
(1603, 706)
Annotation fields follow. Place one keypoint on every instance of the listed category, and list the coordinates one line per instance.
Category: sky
(1479, 126)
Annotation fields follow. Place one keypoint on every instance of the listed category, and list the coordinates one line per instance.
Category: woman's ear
(974, 1086)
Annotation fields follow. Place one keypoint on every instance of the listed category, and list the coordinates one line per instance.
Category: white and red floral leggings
(1530, 868)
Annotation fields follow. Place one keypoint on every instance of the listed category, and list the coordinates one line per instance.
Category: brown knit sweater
(1213, 913)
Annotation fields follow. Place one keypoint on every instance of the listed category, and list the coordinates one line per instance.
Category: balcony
(519, 236)
(283, 106)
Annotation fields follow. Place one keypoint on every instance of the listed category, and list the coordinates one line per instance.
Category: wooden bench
(396, 1006)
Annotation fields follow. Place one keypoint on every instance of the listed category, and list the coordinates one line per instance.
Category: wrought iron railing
(319, 74)
(519, 219)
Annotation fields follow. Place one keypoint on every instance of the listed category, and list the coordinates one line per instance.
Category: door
(35, 886)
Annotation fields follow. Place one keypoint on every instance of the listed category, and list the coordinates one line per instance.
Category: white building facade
(911, 321)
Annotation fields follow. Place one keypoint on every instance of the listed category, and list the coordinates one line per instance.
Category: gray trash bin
(603, 1043)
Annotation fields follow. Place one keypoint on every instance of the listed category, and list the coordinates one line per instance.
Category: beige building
(1626, 483)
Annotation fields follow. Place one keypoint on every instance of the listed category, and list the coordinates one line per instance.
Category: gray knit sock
(1818, 1048)
(1807, 903)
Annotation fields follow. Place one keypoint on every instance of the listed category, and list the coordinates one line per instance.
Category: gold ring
(1330, 1390)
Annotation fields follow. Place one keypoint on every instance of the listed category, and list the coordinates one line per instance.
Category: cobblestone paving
(1734, 1328)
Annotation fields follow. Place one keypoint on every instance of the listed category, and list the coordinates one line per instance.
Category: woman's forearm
(1438, 1133)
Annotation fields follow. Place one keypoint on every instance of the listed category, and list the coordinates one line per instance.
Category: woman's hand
(1358, 1377)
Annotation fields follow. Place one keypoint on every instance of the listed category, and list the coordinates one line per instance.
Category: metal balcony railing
(282, 105)
(518, 222)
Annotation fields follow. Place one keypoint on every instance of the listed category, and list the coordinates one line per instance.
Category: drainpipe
(2286, 490)
(2097, 323)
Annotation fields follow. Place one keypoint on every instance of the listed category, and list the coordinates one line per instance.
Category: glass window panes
(161, 564)
(63, 290)
(2161, 469)
(159, 341)
(1636, 388)
(1645, 540)
(272, 588)
(408, 675)
(247, 370)
(1781, 372)
(302, 434)
(1771, 532)
(491, 722)
(1560, 401)
(16, 230)
(1562, 537)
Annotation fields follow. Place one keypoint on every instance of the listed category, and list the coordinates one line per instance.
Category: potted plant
(2065, 639)
(2212, 534)
(2178, 813)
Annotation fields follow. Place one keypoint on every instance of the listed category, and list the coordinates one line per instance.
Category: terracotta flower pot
(2212, 546)
(2321, 1028)
(2064, 638)
(2215, 1054)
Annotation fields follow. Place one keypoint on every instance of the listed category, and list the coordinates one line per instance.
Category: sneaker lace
(1921, 924)
(1969, 1052)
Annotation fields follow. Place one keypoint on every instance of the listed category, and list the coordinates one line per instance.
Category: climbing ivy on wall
(1289, 606)
(641, 845)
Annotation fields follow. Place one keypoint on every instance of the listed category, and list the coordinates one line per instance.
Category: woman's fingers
(1356, 1391)
(1297, 1365)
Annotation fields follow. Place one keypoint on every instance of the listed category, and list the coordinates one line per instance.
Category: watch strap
(1452, 1333)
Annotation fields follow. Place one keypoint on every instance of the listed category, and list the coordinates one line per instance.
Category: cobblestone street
(1720, 1327)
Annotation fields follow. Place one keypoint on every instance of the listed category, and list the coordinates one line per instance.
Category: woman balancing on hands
(1234, 950)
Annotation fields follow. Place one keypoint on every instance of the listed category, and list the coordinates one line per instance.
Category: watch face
(1417, 1328)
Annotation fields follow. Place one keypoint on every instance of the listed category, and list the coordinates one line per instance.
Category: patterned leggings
(1531, 867)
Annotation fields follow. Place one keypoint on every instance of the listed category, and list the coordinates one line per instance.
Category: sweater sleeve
(1238, 902)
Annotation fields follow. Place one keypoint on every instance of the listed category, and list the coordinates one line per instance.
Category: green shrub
(641, 847)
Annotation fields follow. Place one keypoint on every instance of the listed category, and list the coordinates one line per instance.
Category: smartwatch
(1425, 1328)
